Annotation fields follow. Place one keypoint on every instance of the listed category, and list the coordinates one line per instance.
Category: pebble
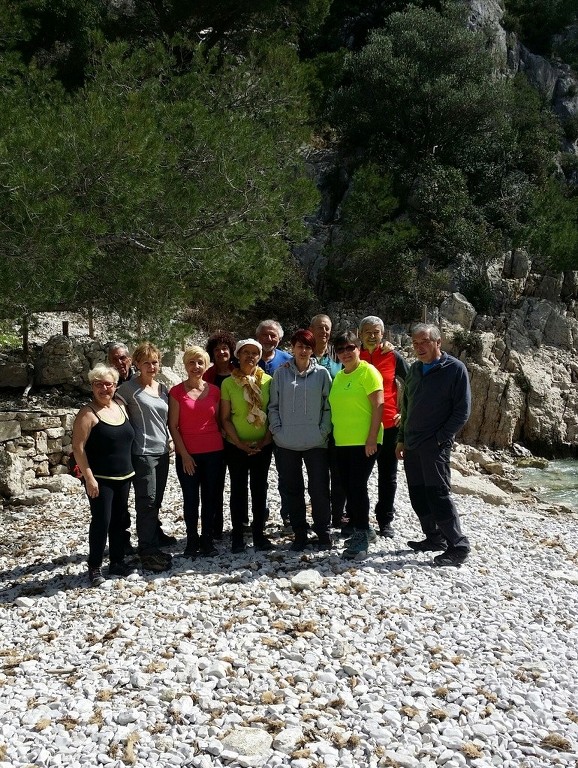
(245, 660)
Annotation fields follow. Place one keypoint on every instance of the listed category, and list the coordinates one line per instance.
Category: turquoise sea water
(557, 483)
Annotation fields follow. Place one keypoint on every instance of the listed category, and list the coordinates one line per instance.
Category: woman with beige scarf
(248, 444)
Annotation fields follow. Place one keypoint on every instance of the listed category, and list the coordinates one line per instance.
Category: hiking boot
(191, 550)
(386, 531)
(164, 540)
(300, 542)
(453, 556)
(262, 544)
(323, 542)
(357, 545)
(208, 549)
(95, 577)
(427, 545)
(156, 561)
(121, 569)
(129, 550)
(346, 531)
(238, 545)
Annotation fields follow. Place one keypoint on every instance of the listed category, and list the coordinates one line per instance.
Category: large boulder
(12, 474)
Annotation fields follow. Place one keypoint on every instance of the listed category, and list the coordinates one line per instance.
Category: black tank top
(109, 449)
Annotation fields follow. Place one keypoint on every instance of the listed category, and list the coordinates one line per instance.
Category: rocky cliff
(523, 363)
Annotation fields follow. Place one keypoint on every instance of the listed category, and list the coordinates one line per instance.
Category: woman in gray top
(300, 422)
(147, 403)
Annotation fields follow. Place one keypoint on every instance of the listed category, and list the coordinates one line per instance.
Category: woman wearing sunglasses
(356, 401)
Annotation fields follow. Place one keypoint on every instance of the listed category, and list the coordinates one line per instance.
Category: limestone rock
(248, 741)
(309, 579)
(457, 310)
(288, 740)
(9, 430)
(479, 486)
(12, 469)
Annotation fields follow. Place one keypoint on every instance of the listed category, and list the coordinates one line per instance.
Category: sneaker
(262, 544)
(427, 545)
(371, 535)
(121, 569)
(95, 577)
(300, 542)
(453, 556)
(164, 540)
(386, 531)
(357, 546)
(156, 561)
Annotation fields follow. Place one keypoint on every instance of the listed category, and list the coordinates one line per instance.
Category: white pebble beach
(249, 660)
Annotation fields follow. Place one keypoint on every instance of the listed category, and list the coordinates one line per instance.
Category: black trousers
(427, 469)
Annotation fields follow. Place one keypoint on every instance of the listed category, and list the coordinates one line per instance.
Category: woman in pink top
(195, 429)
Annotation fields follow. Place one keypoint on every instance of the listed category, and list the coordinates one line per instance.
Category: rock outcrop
(523, 364)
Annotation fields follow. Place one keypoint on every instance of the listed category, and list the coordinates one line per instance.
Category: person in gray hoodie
(300, 422)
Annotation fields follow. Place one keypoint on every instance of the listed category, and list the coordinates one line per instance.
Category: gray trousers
(149, 482)
(427, 469)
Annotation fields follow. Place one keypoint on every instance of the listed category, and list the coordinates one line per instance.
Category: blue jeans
(289, 466)
(427, 468)
(354, 470)
(149, 482)
(206, 482)
(107, 520)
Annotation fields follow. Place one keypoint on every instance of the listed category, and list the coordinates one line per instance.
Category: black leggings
(107, 511)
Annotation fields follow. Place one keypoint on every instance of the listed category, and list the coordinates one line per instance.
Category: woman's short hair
(145, 351)
(194, 352)
(101, 370)
(346, 337)
(304, 336)
(217, 339)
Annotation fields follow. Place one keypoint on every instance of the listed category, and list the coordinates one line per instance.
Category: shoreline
(225, 662)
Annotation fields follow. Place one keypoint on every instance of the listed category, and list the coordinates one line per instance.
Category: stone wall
(35, 441)
(34, 449)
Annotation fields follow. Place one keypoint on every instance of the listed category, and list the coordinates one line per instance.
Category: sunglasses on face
(346, 348)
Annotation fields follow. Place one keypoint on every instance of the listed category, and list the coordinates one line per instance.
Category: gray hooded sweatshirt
(299, 414)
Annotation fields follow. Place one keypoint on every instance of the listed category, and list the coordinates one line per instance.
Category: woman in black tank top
(102, 439)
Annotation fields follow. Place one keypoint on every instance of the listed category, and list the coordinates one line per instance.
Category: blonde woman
(147, 404)
(195, 428)
(102, 439)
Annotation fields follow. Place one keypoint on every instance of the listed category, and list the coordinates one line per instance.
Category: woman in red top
(195, 429)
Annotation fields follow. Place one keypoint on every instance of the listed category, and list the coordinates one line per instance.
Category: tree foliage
(464, 149)
(150, 153)
(149, 187)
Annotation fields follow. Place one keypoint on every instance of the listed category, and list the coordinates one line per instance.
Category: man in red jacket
(393, 368)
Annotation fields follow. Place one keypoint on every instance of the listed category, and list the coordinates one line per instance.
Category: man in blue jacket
(436, 405)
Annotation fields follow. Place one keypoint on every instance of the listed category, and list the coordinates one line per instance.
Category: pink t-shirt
(198, 420)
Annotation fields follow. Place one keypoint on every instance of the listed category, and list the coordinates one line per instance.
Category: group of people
(335, 410)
